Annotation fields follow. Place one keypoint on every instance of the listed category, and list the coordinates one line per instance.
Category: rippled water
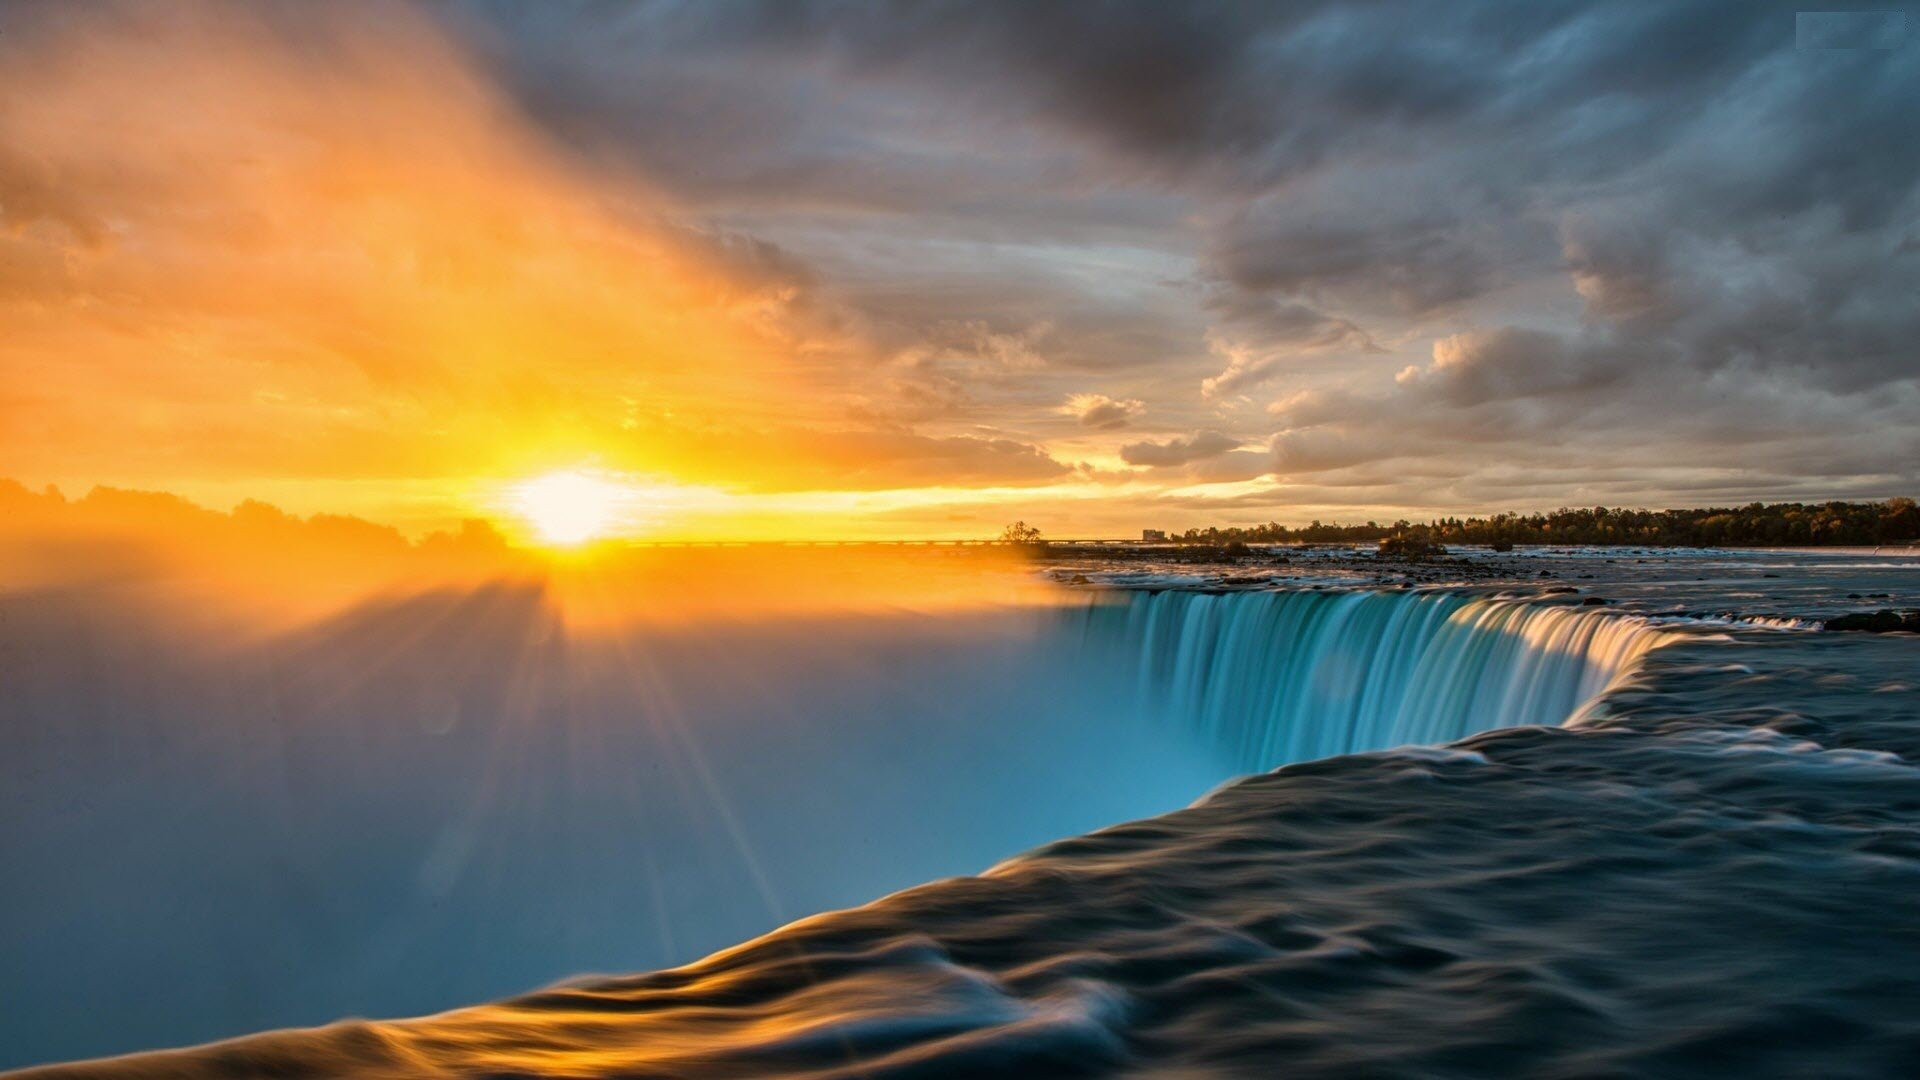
(1708, 870)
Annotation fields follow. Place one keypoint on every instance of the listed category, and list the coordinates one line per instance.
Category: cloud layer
(1390, 256)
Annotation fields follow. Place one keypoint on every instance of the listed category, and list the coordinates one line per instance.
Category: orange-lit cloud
(298, 254)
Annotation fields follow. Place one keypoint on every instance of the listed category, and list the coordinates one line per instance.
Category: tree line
(1755, 525)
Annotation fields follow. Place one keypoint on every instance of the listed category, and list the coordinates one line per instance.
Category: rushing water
(1279, 677)
(1689, 848)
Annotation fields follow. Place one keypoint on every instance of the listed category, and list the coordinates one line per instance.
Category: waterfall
(1285, 676)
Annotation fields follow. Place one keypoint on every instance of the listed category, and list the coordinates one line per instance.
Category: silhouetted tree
(1021, 533)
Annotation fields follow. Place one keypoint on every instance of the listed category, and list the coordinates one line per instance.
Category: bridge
(1076, 542)
(1910, 547)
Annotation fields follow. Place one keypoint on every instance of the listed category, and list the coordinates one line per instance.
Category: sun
(571, 507)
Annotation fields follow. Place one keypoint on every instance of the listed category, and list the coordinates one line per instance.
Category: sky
(913, 270)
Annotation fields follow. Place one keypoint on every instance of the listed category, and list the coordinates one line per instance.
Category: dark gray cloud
(1430, 230)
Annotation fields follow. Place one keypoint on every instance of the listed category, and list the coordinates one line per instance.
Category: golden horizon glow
(657, 507)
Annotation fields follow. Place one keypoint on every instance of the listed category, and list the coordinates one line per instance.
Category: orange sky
(346, 278)
(343, 282)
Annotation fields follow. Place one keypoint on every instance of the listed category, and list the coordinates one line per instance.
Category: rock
(1409, 547)
(1885, 621)
(1593, 601)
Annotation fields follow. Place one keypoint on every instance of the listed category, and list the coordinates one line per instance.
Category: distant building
(1153, 535)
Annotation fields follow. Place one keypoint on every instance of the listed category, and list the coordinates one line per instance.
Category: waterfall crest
(1279, 677)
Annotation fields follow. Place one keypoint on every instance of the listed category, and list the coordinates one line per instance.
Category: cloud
(1366, 243)
(344, 241)
(1260, 337)
(869, 460)
(1658, 194)
(1511, 414)
(1102, 412)
(319, 225)
(1179, 450)
(793, 458)
(1509, 364)
(321, 244)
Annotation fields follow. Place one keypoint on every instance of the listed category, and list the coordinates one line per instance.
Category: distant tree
(1899, 520)
(1021, 533)
(1755, 525)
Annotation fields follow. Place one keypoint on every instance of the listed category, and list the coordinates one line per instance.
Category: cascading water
(1285, 676)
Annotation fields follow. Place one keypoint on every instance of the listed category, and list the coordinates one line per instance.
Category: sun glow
(571, 507)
